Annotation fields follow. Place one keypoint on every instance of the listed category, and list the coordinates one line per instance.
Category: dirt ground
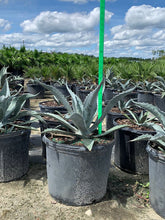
(28, 198)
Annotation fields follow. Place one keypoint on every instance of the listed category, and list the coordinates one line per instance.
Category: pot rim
(14, 133)
(67, 148)
(155, 154)
(132, 129)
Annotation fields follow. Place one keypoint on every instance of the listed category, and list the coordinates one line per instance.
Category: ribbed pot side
(75, 175)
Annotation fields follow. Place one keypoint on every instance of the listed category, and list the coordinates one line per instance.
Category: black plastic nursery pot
(108, 94)
(43, 126)
(17, 85)
(45, 107)
(131, 156)
(62, 89)
(132, 95)
(36, 89)
(110, 117)
(145, 97)
(83, 93)
(14, 158)
(157, 180)
(75, 175)
(159, 101)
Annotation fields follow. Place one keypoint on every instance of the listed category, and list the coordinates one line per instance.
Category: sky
(133, 28)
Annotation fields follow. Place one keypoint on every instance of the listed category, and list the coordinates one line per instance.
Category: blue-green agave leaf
(79, 122)
(76, 102)
(88, 143)
(61, 120)
(5, 91)
(160, 115)
(90, 105)
(115, 128)
(61, 132)
(58, 95)
(111, 103)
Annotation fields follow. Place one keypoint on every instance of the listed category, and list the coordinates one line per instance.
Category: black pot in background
(49, 123)
(43, 126)
(159, 101)
(132, 95)
(131, 156)
(51, 109)
(77, 176)
(110, 117)
(74, 88)
(82, 93)
(15, 72)
(36, 89)
(157, 180)
(17, 85)
(145, 97)
(62, 89)
(108, 94)
(14, 157)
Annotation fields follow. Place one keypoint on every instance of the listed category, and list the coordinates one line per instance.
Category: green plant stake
(101, 57)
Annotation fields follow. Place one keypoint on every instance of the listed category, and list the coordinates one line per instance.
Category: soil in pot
(115, 113)
(75, 175)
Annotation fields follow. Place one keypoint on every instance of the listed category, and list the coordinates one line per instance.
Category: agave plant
(111, 81)
(158, 126)
(139, 119)
(11, 110)
(147, 86)
(82, 115)
(123, 86)
(123, 105)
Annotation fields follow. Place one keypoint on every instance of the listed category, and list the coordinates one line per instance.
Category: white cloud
(142, 32)
(58, 42)
(4, 25)
(144, 16)
(50, 22)
(122, 32)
